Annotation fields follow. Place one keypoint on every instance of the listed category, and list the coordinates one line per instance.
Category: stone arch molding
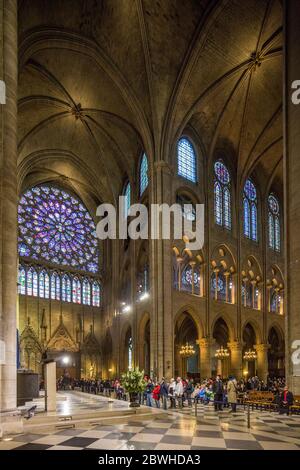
(61, 340)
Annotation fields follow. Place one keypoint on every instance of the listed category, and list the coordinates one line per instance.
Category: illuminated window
(86, 292)
(76, 290)
(222, 195)
(250, 210)
(186, 160)
(66, 288)
(274, 223)
(143, 174)
(127, 194)
(22, 280)
(96, 294)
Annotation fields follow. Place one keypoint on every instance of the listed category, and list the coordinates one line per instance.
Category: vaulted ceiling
(101, 80)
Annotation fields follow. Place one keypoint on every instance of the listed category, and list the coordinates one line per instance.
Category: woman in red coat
(156, 395)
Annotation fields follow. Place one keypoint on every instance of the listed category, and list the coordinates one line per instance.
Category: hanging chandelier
(250, 355)
(221, 353)
(187, 350)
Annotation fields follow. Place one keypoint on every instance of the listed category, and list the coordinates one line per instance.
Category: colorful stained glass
(47, 286)
(186, 160)
(220, 286)
(227, 208)
(250, 190)
(143, 174)
(275, 301)
(34, 283)
(222, 173)
(22, 280)
(187, 279)
(250, 210)
(246, 218)
(253, 221)
(86, 292)
(54, 278)
(127, 194)
(55, 227)
(42, 284)
(29, 281)
(66, 288)
(222, 195)
(96, 294)
(76, 290)
(218, 203)
(271, 231)
(274, 223)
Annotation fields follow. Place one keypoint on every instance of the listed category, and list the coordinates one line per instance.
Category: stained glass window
(55, 227)
(143, 174)
(22, 280)
(29, 281)
(86, 292)
(274, 223)
(220, 285)
(250, 295)
(275, 301)
(96, 294)
(42, 284)
(34, 283)
(127, 194)
(55, 286)
(186, 160)
(47, 286)
(218, 204)
(76, 290)
(66, 288)
(250, 210)
(222, 195)
(187, 279)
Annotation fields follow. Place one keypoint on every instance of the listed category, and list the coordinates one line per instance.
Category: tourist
(232, 393)
(156, 395)
(148, 391)
(218, 390)
(286, 400)
(171, 393)
(179, 391)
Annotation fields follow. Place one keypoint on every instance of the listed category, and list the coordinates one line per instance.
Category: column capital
(205, 343)
(263, 347)
(235, 345)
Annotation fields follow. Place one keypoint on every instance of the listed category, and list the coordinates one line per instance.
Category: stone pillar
(50, 386)
(291, 185)
(262, 360)
(161, 321)
(8, 218)
(236, 360)
(205, 357)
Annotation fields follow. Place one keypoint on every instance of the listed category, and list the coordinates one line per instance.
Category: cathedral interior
(159, 102)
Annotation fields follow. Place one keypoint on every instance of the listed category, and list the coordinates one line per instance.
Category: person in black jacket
(286, 400)
(218, 390)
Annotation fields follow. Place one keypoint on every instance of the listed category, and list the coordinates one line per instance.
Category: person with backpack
(218, 390)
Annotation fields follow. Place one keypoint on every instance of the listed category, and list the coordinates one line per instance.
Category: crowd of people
(178, 393)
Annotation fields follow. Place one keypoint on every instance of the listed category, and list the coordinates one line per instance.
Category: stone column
(292, 194)
(262, 360)
(161, 321)
(8, 217)
(205, 357)
(236, 360)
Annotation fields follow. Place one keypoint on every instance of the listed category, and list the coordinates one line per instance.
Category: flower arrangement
(133, 381)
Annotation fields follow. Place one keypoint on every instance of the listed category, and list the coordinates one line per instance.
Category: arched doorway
(276, 354)
(221, 335)
(186, 333)
(249, 340)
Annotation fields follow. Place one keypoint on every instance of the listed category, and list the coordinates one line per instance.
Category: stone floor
(178, 430)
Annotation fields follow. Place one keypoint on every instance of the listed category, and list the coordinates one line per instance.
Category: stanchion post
(196, 409)
(248, 417)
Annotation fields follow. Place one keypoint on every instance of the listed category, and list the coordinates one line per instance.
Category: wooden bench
(260, 400)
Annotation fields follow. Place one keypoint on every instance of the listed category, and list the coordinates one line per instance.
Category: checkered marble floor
(177, 431)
